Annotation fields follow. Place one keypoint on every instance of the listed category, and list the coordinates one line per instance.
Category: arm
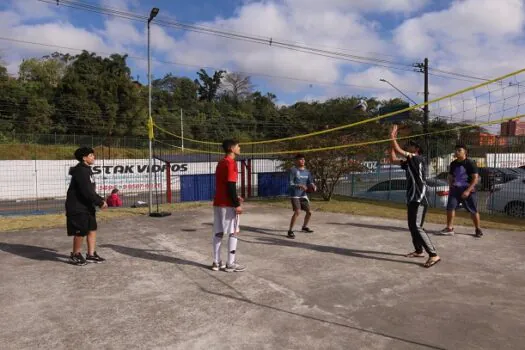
(232, 192)
(395, 146)
(291, 180)
(86, 188)
(310, 181)
(119, 202)
(393, 157)
(232, 185)
(475, 177)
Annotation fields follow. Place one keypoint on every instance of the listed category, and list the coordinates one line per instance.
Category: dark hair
(461, 145)
(415, 144)
(299, 156)
(81, 152)
(227, 145)
(115, 190)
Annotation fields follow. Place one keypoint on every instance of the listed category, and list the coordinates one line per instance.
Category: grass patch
(15, 223)
(390, 210)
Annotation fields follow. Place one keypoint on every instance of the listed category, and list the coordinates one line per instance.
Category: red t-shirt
(225, 172)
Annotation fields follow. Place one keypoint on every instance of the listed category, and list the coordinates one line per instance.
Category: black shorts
(300, 204)
(81, 224)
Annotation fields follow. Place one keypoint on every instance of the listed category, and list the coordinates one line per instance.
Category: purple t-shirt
(462, 172)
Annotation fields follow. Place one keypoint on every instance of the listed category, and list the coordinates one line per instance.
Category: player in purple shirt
(462, 178)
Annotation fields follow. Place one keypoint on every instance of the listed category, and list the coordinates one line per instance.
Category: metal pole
(182, 129)
(425, 116)
(149, 115)
(401, 92)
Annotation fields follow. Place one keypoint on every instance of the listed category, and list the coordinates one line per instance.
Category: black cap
(82, 152)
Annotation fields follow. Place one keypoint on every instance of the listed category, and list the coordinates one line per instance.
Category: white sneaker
(235, 267)
(219, 266)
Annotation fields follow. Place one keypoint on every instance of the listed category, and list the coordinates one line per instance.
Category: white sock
(217, 240)
(232, 246)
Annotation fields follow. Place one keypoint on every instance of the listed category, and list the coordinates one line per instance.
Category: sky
(478, 38)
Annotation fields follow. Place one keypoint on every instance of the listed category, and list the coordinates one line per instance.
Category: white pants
(225, 220)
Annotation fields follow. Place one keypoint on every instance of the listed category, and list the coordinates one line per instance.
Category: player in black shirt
(462, 178)
(81, 203)
(417, 202)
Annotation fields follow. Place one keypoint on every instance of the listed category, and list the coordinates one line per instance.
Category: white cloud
(30, 9)
(477, 37)
(405, 6)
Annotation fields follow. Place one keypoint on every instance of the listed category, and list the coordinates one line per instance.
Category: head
(114, 191)
(413, 147)
(231, 147)
(300, 160)
(85, 155)
(461, 151)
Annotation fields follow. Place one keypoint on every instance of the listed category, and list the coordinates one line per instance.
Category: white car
(395, 190)
(508, 198)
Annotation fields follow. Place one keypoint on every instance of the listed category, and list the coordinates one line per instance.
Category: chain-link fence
(35, 172)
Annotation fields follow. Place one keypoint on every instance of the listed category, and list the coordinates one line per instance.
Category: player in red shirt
(226, 208)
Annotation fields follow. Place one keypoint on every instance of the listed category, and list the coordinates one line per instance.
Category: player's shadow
(151, 254)
(33, 252)
(264, 231)
(370, 226)
(356, 253)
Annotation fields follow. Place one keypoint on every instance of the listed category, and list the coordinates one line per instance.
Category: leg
(471, 206)
(450, 218)
(233, 265)
(307, 218)
(295, 215)
(77, 244)
(412, 225)
(425, 239)
(476, 220)
(91, 242)
(217, 241)
(218, 233)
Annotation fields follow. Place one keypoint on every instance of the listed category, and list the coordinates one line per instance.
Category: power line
(230, 35)
(245, 37)
(255, 74)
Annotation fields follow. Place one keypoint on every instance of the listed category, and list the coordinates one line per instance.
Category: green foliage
(92, 95)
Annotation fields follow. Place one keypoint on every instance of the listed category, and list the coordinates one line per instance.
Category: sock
(232, 246)
(217, 240)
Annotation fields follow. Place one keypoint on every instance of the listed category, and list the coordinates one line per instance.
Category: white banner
(31, 179)
(505, 160)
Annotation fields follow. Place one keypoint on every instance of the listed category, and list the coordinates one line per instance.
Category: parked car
(508, 198)
(490, 177)
(395, 190)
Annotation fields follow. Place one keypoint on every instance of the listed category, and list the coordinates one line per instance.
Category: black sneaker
(77, 259)
(478, 233)
(291, 234)
(95, 258)
(306, 229)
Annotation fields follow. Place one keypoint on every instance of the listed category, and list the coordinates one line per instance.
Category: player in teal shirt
(300, 180)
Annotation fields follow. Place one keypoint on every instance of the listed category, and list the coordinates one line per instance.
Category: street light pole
(153, 14)
(401, 92)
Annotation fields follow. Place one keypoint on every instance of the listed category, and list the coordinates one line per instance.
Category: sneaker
(306, 229)
(235, 267)
(478, 233)
(446, 232)
(77, 259)
(291, 234)
(95, 258)
(219, 266)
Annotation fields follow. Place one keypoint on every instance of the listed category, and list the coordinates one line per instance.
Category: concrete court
(346, 286)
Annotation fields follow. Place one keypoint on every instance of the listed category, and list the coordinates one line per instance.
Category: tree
(208, 86)
(237, 86)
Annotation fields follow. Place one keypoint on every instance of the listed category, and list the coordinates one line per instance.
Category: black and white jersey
(414, 167)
